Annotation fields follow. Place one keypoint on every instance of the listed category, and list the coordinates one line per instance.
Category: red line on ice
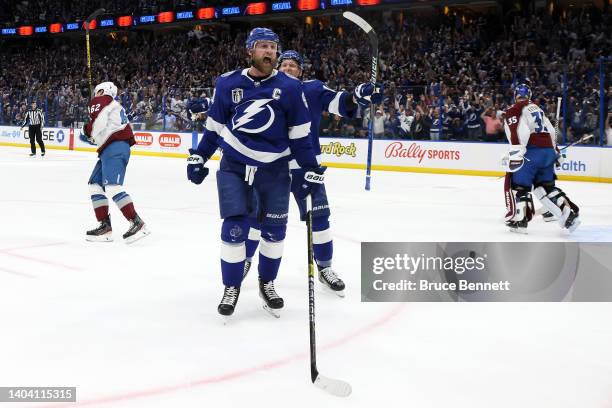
(235, 374)
(14, 272)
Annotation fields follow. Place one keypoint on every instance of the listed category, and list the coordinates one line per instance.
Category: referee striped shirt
(34, 117)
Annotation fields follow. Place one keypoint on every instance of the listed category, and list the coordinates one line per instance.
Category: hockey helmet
(261, 34)
(522, 91)
(291, 55)
(108, 87)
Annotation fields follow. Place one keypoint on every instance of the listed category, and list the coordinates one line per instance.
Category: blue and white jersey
(321, 98)
(198, 105)
(259, 122)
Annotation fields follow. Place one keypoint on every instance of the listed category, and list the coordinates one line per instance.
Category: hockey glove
(196, 172)
(85, 137)
(514, 159)
(367, 93)
(561, 158)
(312, 179)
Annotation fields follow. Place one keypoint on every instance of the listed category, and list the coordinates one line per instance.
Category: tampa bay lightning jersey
(199, 105)
(259, 122)
(321, 98)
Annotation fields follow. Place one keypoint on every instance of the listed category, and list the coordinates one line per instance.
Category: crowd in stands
(445, 78)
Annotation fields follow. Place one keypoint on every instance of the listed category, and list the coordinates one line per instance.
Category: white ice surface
(136, 326)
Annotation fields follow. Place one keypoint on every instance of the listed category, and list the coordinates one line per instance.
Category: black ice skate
(272, 302)
(548, 216)
(572, 222)
(517, 226)
(104, 233)
(331, 281)
(137, 230)
(247, 267)
(229, 300)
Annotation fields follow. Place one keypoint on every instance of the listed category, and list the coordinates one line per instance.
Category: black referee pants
(35, 132)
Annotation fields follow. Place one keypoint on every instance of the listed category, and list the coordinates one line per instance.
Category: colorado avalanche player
(320, 98)
(109, 129)
(530, 164)
(260, 119)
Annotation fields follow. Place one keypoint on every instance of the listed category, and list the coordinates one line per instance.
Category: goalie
(530, 165)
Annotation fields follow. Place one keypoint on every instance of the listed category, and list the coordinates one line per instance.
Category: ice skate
(572, 222)
(228, 302)
(104, 233)
(272, 302)
(548, 216)
(517, 226)
(331, 281)
(137, 230)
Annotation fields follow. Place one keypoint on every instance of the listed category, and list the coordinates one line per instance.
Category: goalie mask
(108, 87)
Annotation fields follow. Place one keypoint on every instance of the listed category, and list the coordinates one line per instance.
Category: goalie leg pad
(519, 203)
(555, 201)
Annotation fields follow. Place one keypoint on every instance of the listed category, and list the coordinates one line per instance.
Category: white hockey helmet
(108, 87)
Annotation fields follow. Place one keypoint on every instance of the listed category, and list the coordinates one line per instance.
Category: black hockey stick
(581, 140)
(335, 387)
(365, 26)
(89, 19)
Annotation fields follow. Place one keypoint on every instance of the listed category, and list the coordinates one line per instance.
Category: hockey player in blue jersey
(319, 98)
(530, 164)
(260, 119)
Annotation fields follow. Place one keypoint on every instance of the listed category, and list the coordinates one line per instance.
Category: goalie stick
(89, 19)
(365, 26)
(332, 386)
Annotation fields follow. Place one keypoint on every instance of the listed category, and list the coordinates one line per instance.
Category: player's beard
(264, 64)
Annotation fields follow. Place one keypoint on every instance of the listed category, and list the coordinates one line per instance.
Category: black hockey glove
(196, 172)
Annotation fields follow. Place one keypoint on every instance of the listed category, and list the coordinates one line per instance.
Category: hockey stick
(365, 26)
(332, 386)
(89, 19)
(581, 140)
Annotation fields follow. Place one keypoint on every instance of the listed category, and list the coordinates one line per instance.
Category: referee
(36, 119)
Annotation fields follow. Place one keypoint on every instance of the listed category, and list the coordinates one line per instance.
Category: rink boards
(482, 159)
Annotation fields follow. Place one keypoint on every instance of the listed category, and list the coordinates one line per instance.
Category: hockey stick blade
(334, 387)
(365, 26)
(94, 15)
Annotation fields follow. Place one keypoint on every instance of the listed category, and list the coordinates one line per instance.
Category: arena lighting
(41, 29)
(368, 2)
(25, 30)
(230, 11)
(254, 9)
(165, 17)
(307, 5)
(206, 13)
(72, 26)
(184, 15)
(146, 19)
(109, 22)
(336, 3)
(9, 31)
(92, 25)
(124, 21)
(55, 28)
(282, 6)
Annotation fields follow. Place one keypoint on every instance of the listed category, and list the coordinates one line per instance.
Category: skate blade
(99, 238)
(273, 312)
(550, 219)
(339, 293)
(139, 235)
(575, 225)
(518, 230)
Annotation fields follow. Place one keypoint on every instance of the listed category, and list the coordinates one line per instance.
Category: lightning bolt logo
(250, 112)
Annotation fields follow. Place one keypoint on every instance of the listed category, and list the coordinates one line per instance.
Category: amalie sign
(416, 151)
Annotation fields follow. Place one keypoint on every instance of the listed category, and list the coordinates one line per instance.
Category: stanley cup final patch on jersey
(276, 94)
(237, 95)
